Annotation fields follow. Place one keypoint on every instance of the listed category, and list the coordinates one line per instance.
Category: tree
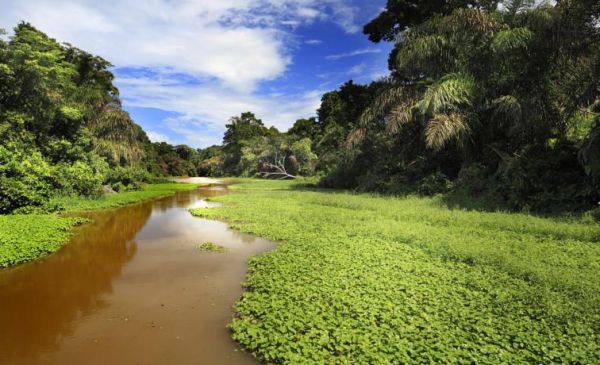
(117, 138)
(502, 89)
(400, 15)
(305, 128)
(239, 129)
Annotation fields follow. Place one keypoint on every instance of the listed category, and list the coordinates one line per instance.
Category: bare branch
(279, 167)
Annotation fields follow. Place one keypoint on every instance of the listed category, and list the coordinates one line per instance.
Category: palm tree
(116, 137)
(446, 69)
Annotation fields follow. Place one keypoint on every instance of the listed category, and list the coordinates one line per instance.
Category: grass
(28, 237)
(363, 279)
(150, 191)
(211, 247)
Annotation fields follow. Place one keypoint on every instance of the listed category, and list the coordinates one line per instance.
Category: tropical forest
(181, 204)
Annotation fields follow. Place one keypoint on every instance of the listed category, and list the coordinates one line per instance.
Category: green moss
(28, 237)
(364, 279)
(211, 247)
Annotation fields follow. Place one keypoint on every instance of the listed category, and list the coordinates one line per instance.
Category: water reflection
(130, 288)
(41, 302)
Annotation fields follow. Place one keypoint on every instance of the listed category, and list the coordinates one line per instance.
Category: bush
(79, 178)
(544, 179)
(435, 183)
(25, 179)
(118, 187)
(473, 179)
(127, 176)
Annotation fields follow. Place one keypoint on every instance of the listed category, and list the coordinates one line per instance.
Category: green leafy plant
(211, 247)
(365, 279)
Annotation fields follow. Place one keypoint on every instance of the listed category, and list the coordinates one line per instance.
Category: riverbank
(26, 237)
(359, 278)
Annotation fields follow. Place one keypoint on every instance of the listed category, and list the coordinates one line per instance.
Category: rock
(107, 189)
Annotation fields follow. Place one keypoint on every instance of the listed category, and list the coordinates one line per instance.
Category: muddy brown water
(130, 288)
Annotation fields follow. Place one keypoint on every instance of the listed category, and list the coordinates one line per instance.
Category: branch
(279, 167)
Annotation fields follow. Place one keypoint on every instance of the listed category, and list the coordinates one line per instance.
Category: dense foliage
(63, 131)
(361, 279)
(499, 102)
(251, 149)
(493, 100)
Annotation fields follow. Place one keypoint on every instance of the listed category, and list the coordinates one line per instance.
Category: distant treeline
(496, 104)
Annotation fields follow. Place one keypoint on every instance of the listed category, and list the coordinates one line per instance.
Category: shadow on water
(41, 302)
(131, 287)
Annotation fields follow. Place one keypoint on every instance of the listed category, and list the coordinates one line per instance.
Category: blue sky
(185, 66)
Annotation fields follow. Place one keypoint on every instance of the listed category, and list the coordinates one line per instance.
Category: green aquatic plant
(151, 191)
(211, 247)
(364, 279)
(26, 237)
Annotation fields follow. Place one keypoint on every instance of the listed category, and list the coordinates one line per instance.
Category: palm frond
(451, 92)
(116, 151)
(399, 116)
(355, 137)
(116, 137)
(444, 127)
(507, 107)
(421, 48)
(469, 19)
(512, 39)
(381, 105)
(513, 7)
(539, 17)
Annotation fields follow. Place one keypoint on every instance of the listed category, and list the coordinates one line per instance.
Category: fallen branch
(279, 167)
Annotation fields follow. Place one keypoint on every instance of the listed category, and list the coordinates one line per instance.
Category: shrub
(25, 179)
(435, 183)
(118, 187)
(78, 178)
(127, 175)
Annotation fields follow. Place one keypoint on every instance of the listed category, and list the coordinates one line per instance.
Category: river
(130, 288)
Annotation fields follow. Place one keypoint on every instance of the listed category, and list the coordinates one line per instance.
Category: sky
(184, 67)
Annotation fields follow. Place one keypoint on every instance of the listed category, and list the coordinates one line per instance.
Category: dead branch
(279, 167)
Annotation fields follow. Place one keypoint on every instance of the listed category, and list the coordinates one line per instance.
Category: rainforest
(446, 211)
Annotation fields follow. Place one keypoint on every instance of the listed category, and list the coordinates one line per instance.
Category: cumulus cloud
(157, 137)
(202, 59)
(204, 109)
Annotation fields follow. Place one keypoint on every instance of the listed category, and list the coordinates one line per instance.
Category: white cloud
(357, 52)
(157, 137)
(313, 42)
(224, 49)
(204, 109)
(345, 17)
(357, 69)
